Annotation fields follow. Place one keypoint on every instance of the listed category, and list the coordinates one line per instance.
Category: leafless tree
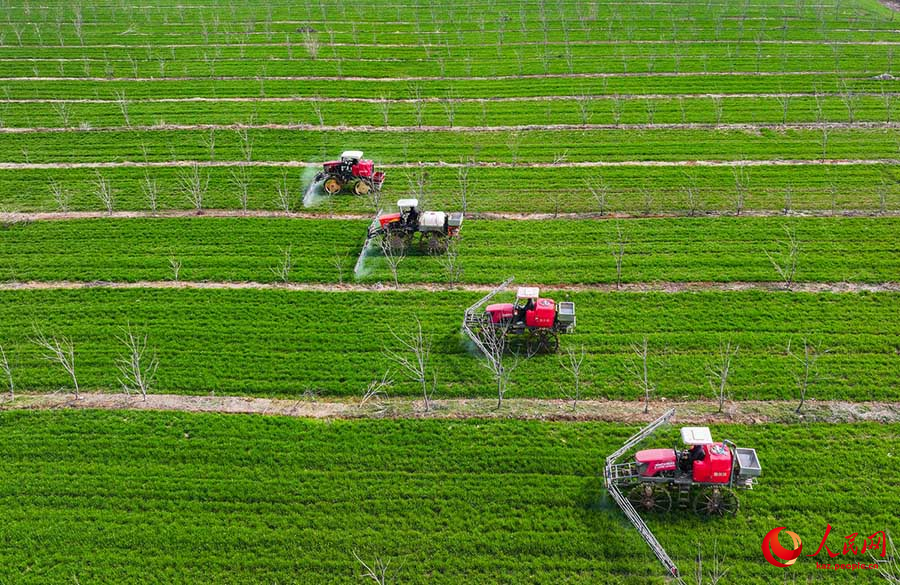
(58, 350)
(691, 194)
(105, 193)
(283, 269)
(376, 572)
(245, 142)
(138, 365)
(377, 389)
(785, 260)
(449, 105)
(241, 183)
(883, 188)
(150, 189)
(718, 109)
(496, 359)
(418, 182)
(513, 141)
(210, 142)
(639, 367)
(824, 132)
(785, 102)
(618, 252)
(415, 95)
(788, 199)
(394, 253)
(316, 106)
(572, 363)
(741, 186)
(175, 265)
(888, 99)
(7, 369)
(414, 359)
(451, 264)
(122, 102)
(384, 104)
(462, 175)
(617, 109)
(61, 195)
(650, 105)
(194, 184)
(584, 101)
(312, 44)
(339, 261)
(715, 573)
(850, 99)
(62, 110)
(718, 371)
(600, 192)
(889, 566)
(807, 373)
(283, 194)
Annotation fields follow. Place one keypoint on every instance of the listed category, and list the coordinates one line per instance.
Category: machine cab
(409, 210)
(706, 460)
(351, 157)
(532, 309)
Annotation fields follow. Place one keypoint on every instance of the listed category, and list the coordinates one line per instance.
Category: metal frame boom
(472, 319)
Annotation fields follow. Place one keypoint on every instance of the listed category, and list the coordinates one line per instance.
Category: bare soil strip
(540, 98)
(7, 218)
(454, 165)
(742, 127)
(536, 76)
(637, 287)
(696, 412)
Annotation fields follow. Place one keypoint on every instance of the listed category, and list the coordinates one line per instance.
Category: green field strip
(867, 109)
(525, 146)
(285, 343)
(723, 249)
(635, 190)
(234, 499)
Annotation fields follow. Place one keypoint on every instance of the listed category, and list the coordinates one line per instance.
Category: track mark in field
(742, 127)
(638, 287)
(540, 98)
(27, 216)
(444, 79)
(696, 412)
(454, 165)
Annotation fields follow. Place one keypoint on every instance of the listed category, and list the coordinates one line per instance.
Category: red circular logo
(772, 549)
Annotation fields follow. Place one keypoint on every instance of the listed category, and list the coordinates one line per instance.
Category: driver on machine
(687, 457)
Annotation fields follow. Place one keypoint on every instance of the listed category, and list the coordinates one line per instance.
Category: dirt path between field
(695, 412)
(742, 127)
(540, 98)
(455, 165)
(637, 287)
(8, 218)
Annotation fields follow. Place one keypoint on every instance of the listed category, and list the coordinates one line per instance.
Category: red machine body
(536, 320)
(499, 311)
(653, 461)
(711, 463)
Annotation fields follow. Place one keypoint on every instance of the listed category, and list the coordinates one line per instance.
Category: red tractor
(535, 321)
(703, 475)
(351, 172)
(435, 228)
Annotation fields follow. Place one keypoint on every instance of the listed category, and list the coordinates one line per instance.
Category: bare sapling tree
(617, 106)
(465, 187)
(414, 360)
(618, 252)
(282, 270)
(283, 194)
(138, 365)
(718, 109)
(245, 142)
(600, 193)
(784, 101)
(496, 360)
(193, 185)
(785, 260)
(122, 102)
(716, 572)
(415, 96)
(639, 368)
(741, 186)
(376, 571)
(583, 101)
(62, 110)
(394, 253)
(312, 44)
(850, 99)
(316, 106)
(451, 264)
(175, 265)
(241, 183)
(377, 390)
(61, 196)
(105, 193)
(150, 190)
(384, 106)
(572, 363)
(339, 261)
(691, 195)
(718, 371)
(7, 370)
(889, 565)
(59, 350)
(807, 373)
(449, 106)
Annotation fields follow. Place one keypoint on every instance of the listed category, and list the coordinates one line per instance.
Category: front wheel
(646, 497)
(716, 501)
(332, 185)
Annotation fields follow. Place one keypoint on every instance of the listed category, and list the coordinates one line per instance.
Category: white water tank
(432, 221)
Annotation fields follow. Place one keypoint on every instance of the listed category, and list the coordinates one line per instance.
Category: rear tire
(716, 501)
(362, 187)
(332, 185)
(397, 242)
(542, 341)
(646, 497)
(436, 244)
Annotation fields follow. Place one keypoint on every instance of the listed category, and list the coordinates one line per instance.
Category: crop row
(635, 190)
(580, 110)
(507, 146)
(570, 251)
(203, 498)
(287, 343)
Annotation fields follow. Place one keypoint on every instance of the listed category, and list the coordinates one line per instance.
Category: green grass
(285, 343)
(132, 497)
(248, 249)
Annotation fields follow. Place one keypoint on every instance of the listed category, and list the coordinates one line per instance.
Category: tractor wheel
(436, 244)
(646, 497)
(716, 501)
(542, 341)
(332, 185)
(398, 242)
(362, 187)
